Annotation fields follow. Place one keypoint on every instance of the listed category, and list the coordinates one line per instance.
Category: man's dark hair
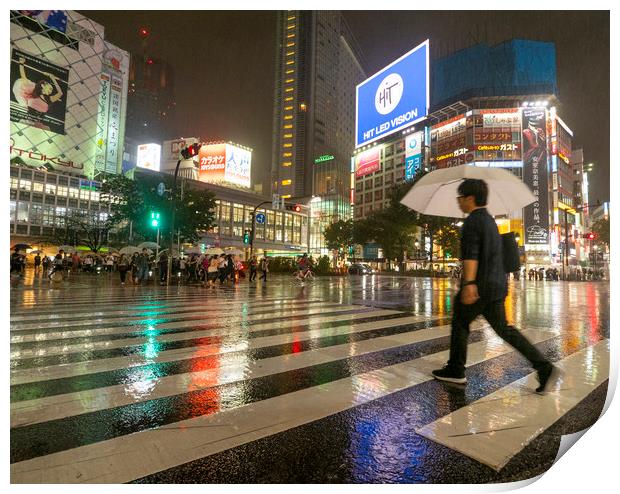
(474, 187)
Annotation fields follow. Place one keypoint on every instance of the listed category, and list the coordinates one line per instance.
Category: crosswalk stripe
(163, 305)
(68, 305)
(192, 319)
(59, 406)
(90, 320)
(116, 460)
(106, 365)
(495, 428)
(55, 336)
(64, 349)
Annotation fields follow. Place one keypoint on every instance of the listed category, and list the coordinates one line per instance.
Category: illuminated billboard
(394, 98)
(535, 175)
(368, 162)
(413, 154)
(171, 150)
(225, 162)
(149, 156)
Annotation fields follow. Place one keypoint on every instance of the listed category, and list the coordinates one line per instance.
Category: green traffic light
(154, 219)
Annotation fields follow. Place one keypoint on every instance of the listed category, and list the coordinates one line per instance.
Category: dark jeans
(123, 273)
(263, 276)
(494, 313)
(252, 273)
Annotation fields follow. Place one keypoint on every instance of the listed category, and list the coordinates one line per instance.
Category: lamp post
(252, 229)
(172, 220)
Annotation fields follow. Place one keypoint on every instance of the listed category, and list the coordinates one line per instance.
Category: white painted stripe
(215, 313)
(71, 304)
(218, 321)
(157, 306)
(103, 365)
(55, 349)
(60, 406)
(493, 429)
(56, 335)
(116, 460)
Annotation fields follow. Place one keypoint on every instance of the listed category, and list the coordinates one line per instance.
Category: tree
(89, 228)
(339, 236)
(601, 229)
(131, 202)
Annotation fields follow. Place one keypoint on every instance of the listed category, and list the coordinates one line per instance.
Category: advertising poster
(413, 154)
(394, 98)
(536, 215)
(368, 162)
(238, 165)
(149, 156)
(38, 92)
(102, 122)
(55, 19)
(212, 163)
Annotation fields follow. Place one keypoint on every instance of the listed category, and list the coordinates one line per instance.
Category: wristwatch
(473, 282)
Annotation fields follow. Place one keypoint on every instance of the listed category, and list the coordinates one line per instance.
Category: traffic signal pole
(253, 228)
(172, 220)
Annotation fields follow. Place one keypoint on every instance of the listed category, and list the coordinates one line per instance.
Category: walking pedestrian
(16, 262)
(109, 263)
(123, 267)
(46, 263)
(221, 268)
(58, 267)
(253, 267)
(163, 268)
(212, 270)
(264, 267)
(37, 263)
(230, 268)
(483, 288)
(142, 263)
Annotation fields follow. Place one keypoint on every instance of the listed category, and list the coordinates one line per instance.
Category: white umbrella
(192, 250)
(435, 193)
(214, 251)
(233, 251)
(148, 245)
(129, 250)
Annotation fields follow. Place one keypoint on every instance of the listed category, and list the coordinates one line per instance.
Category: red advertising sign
(368, 162)
(212, 163)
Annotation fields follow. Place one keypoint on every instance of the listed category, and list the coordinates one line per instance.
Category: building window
(290, 71)
(50, 188)
(290, 43)
(288, 81)
(288, 108)
(288, 181)
(292, 26)
(288, 117)
(289, 89)
(287, 155)
(287, 145)
(290, 35)
(288, 136)
(288, 98)
(290, 53)
(287, 163)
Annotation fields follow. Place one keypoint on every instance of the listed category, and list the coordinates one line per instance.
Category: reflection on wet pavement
(198, 379)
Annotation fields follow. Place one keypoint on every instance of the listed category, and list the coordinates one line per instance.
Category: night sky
(224, 63)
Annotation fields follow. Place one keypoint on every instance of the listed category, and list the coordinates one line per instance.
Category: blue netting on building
(516, 67)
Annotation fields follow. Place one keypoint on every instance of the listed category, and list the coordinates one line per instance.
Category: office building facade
(317, 69)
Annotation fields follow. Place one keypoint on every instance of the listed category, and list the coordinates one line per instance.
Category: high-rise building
(317, 70)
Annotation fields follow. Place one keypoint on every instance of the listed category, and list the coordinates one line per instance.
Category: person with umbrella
(37, 262)
(483, 288)
(142, 263)
(123, 267)
(16, 262)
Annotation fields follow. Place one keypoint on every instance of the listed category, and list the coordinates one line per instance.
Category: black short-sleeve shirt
(481, 241)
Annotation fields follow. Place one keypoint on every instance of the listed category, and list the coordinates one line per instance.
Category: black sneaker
(544, 376)
(447, 374)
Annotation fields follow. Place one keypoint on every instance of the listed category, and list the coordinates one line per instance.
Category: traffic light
(293, 207)
(191, 150)
(154, 219)
(246, 237)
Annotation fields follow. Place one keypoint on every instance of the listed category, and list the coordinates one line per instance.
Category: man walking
(483, 288)
(142, 263)
(253, 267)
(264, 266)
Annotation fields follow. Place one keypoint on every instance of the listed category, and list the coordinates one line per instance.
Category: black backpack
(512, 260)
